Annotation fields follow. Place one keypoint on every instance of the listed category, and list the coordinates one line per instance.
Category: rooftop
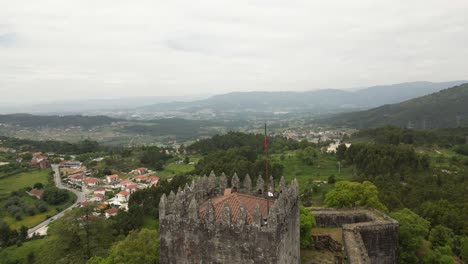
(235, 200)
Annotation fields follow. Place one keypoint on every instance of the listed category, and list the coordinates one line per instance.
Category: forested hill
(31, 121)
(445, 109)
(324, 100)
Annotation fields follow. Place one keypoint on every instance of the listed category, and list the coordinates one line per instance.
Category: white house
(112, 179)
(123, 196)
(99, 190)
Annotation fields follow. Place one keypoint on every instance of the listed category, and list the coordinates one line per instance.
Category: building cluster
(111, 192)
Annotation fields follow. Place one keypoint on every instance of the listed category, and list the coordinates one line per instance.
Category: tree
(354, 194)
(23, 234)
(307, 222)
(331, 179)
(441, 236)
(307, 155)
(464, 248)
(341, 151)
(41, 206)
(78, 236)
(54, 195)
(413, 230)
(138, 247)
(38, 185)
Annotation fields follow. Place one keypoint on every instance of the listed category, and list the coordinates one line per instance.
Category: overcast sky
(51, 50)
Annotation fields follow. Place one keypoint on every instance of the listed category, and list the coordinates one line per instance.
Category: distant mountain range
(71, 107)
(239, 105)
(36, 121)
(317, 101)
(444, 109)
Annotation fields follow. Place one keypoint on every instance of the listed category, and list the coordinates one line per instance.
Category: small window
(259, 191)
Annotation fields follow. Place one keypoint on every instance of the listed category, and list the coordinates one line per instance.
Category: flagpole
(266, 170)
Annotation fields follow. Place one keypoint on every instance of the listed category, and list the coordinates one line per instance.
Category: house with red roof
(140, 178)
(76, 178)
(99, 190)
(102, 206)
(36, 193)
(126, 183)
(111, 212)
(97, 197)
(153, 180)
(131, 188)
(91, 182)
(40, 162)
(140, 171)
(112, 179)
(85, 203)
(123, 196)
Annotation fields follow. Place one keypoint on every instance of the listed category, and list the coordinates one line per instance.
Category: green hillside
(444, 109)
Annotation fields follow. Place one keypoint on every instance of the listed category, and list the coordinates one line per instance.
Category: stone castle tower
(209, 223)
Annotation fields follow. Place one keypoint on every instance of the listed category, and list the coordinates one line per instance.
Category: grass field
(30, 221)
(10, 254)
(324, 166)
(22, 180)
(172, 169)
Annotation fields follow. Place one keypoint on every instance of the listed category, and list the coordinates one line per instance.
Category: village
(107, 195)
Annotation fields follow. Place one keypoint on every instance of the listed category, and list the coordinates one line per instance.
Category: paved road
(81, 197)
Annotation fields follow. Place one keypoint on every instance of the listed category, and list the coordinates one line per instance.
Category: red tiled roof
(112, 211)
(100, 195)
(235, 200)
(99, 189)
(141, 177)
(102, 206)
(86, 203)
(127, 182)
(112, 176)
(36, 192)
(91, 180)
(76, 176)
(153, 178)
(124, 193)
(131, 187)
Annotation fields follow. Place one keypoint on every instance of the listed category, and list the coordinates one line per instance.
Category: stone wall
(368, 235)
(189, 236)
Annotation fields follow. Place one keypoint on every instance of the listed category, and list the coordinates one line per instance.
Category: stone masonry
(209, 223)
(369, 236)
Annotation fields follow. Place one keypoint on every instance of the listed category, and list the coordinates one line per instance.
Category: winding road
(81, 197)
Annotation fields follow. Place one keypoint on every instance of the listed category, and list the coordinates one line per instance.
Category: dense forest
(447, 137)
(445, 109)
(64, 147)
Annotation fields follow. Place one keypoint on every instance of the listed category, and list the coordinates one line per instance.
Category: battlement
(209, 201)
(240, 224)
(369, 236)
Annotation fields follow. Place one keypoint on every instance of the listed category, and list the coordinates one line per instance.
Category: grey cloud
(8, 39)
(118, 48)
